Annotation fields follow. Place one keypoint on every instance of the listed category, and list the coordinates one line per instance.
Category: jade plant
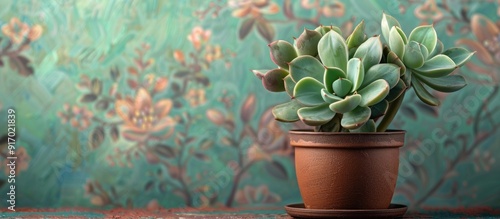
(357, 84)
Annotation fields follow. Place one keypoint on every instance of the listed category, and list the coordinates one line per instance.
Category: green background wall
(218, 145)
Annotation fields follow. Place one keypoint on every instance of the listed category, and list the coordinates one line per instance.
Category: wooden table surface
(219, 213)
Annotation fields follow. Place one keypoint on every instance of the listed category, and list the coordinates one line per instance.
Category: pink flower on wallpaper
(142, 117)
(254, 8)
(199, 36)
(15, 30)
(78, 117)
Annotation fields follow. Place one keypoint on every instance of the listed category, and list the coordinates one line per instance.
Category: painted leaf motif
(306, 66)
(266, 30)
(332, 50)
(316, 115)
(246, 27)
(308, 92)
(21, 64)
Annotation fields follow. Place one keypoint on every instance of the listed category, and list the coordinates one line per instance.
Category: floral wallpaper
(152, 103)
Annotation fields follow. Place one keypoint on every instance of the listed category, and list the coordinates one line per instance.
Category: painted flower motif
(78, 117)
(22, 161)
(142, 117)
(213, 53)
(254, 195)
(15, 30)
(254, 8)
(199, 36)
(196, 97)
(487, 46)
(428, 11)
(329, 9)
(179, 56)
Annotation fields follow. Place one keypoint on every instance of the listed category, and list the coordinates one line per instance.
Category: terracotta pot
(346, 170)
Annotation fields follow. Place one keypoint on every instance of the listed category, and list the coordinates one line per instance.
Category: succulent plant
(425, 61)
(338, 84)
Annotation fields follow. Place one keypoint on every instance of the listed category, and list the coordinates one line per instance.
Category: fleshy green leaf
(396, 42)
(282, 52)
(342, 87)
(328, 97)
(413, 57)
(307, 43)
(331, 74)
(438, 66)
(308, 92)
(325, 29)
(316, 115)
(425, 35)
(289, 85)
(396, 91)
(458, 55)
(379, 109)
(388, 72)
(347, 104)
(358, 36)
(424, 51)
(449, 83)
(306, 66)
(370, 52)
(394, 59)
(332, 50)
(438, 50)
(402, 34)
(287, 112)
(374, 92)
(407, 78)
(423, 94)
(356, 118)
(387, 23)
(273, 80)
(355, 73)
(260, 73)
(369, 126)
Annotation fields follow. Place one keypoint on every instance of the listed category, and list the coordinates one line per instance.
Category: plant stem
(229, 202)
(391, 113)
(465, 152)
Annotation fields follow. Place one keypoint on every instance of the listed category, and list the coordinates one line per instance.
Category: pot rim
(312, 132)
(347, 140)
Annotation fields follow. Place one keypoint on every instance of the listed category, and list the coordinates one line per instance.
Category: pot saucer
(299, 211)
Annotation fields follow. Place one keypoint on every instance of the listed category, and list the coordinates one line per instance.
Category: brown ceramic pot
(346, 170)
